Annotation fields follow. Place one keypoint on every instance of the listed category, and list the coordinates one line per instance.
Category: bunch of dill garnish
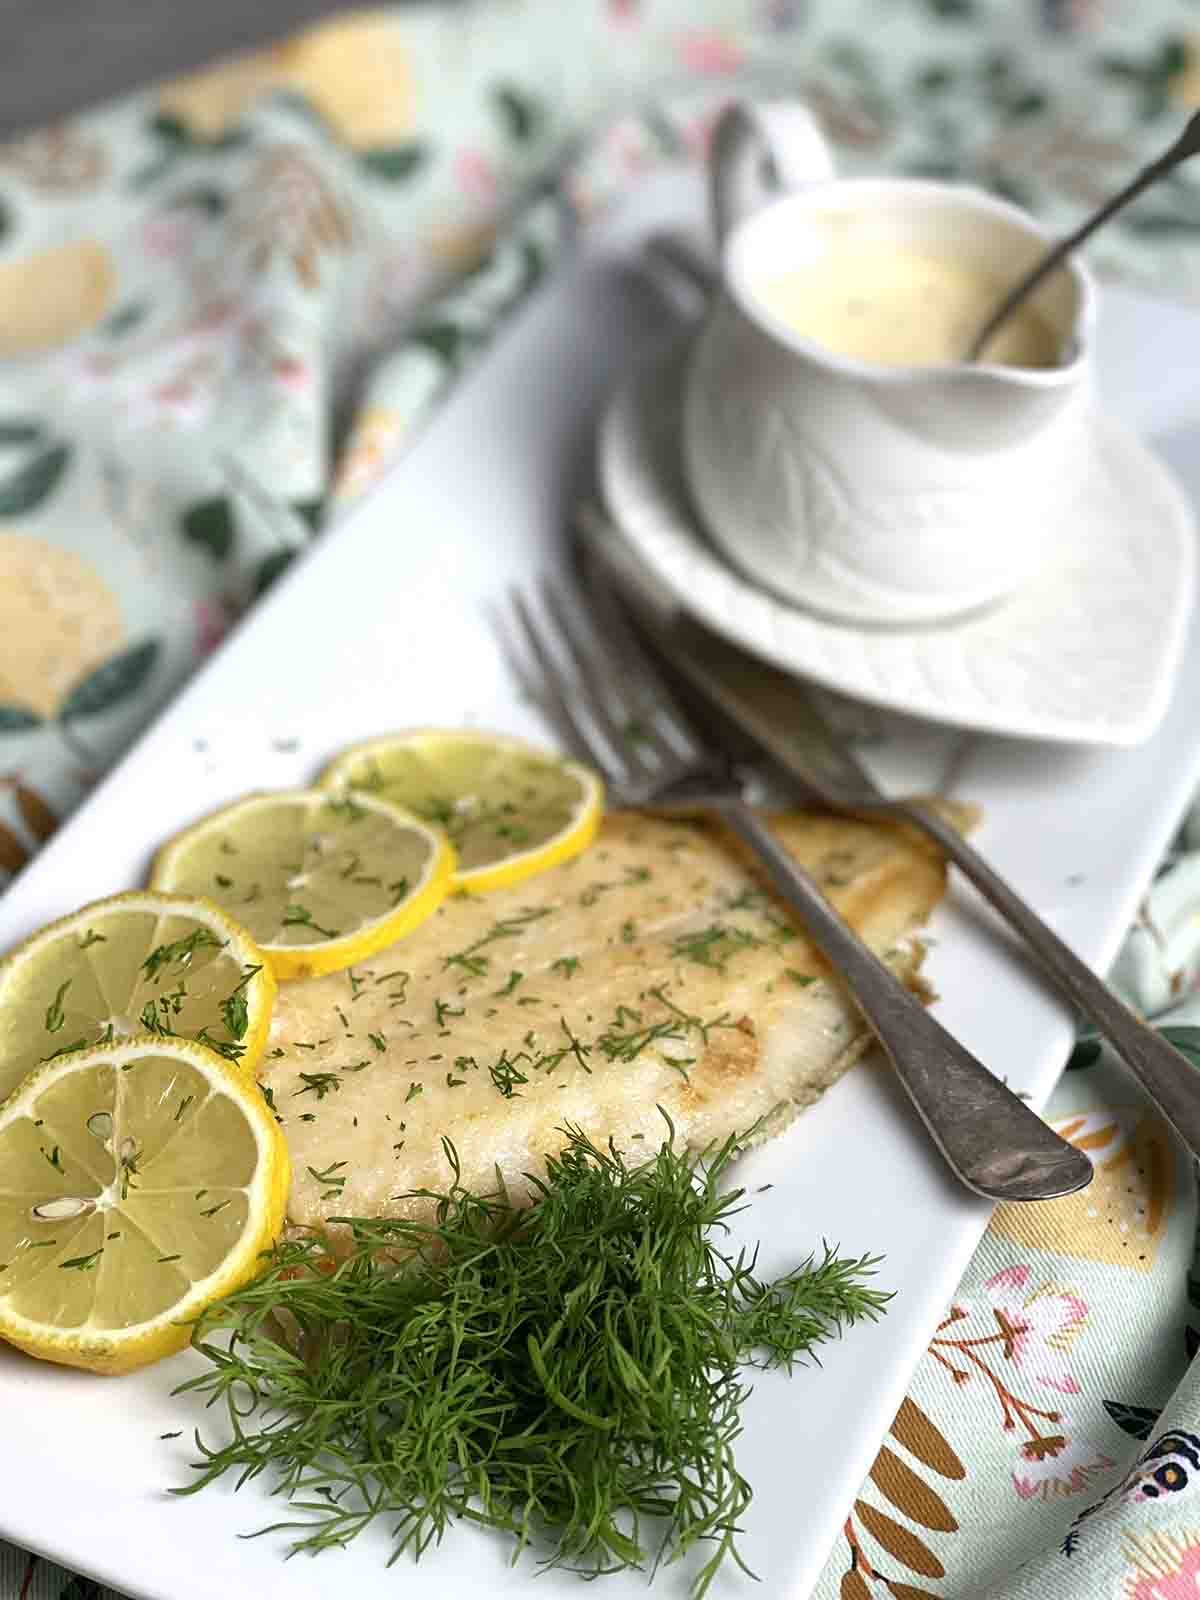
(567, 1371)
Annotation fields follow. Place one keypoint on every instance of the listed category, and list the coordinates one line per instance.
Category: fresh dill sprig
(475, 965)
(569, 1372)
(179, 952)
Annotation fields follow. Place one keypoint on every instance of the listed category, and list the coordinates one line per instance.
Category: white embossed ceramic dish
(391, 611)
(1085, 653)
(913, 488)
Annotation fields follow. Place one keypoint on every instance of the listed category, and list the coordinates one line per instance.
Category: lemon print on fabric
(1121, 1217)
(53, 295)
(374, 440)
(210, 101)
(58, 620)
(353, 69)
(1184, 85)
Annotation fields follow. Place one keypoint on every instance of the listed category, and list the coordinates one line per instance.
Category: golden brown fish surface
(654, 970)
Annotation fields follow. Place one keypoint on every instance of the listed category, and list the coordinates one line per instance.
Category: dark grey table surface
(58, 56)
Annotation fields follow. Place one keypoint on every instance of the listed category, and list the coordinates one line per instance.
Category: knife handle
(993, 1142)
(1167, 1077)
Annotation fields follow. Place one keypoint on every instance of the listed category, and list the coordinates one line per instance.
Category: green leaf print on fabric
(19, 430)
(17, 719)
(126, 319)
(171, 130)
(26, 488)
(271, 568)
(176, 136)
(309, 512)
(204, 197)
(1137, 1421)
(111, 683)
(444, 339)
(1085, 1054)
(396, 163)
(1161, 224)
(520, 112)
(210, 523)
(1151, 77)
(175, 141)
(1186, 1041)
(81, 1589)
(533, 267)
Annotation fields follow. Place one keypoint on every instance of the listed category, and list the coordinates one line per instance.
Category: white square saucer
(1085, 653)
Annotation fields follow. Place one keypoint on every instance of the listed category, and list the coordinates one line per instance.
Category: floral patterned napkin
(251, 285)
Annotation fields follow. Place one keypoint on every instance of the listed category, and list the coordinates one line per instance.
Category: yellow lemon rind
(117, 1352)
(515, 869)
(292, 962)
(572, 841)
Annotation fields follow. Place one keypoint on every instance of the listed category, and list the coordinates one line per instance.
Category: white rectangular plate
(384, 625)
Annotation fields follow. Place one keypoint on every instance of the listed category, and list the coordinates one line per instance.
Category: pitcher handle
(761, 149)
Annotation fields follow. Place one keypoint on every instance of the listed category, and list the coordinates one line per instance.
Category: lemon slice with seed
(321, 880)
(141, 1183)
(509, 808)
(135, 963)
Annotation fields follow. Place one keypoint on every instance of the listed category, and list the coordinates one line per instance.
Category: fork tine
(603, 593)
(595, 689)
(554, 685)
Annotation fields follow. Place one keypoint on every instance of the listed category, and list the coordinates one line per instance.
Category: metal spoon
(1187, 144)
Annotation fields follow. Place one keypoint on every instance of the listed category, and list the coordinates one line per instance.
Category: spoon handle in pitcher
(1187, 144)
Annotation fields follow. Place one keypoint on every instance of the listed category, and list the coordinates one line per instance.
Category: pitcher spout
(978, 409)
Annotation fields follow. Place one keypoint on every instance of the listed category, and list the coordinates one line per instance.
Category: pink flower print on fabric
(1019, 1340)
(1038, 1328)
(1166, 1566)
(291, 373)
(475, 174)
(1059, 1464)
(706, 50)
(168, 235)
(211, 623)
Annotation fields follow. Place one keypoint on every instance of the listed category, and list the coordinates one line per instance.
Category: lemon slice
(321, 880)
(136, 963)
(509, 808)
(141, 1182)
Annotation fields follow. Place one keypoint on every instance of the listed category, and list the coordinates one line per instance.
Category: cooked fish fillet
(653, 970)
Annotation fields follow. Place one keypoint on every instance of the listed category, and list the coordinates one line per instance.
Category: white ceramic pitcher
(869, 492)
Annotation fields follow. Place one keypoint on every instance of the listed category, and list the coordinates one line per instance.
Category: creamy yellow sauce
(900, 307)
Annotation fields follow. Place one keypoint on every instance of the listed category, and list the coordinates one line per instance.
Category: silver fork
(598, 682)
(777, 715)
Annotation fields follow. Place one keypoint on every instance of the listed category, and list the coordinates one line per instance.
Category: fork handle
(1169, 1080)
(994, 1143)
